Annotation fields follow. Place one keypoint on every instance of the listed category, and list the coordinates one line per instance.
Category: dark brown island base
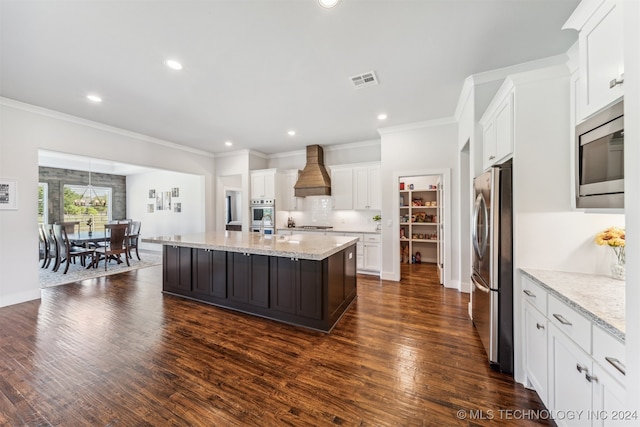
(304, 280)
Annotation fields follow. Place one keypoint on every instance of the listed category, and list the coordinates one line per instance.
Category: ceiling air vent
(364, 80)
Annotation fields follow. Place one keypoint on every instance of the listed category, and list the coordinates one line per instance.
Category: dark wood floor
(115, 351)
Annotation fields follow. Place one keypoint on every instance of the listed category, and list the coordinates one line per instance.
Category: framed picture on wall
(177, 207)
(152, 194)
(150, 207)
(8, 194)
(159, 202)
(175, 192)
(167, 201)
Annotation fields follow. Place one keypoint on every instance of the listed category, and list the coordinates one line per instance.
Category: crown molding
(30, 108)
(418, 125)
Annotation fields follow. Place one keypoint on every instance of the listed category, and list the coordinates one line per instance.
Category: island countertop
(302, 246)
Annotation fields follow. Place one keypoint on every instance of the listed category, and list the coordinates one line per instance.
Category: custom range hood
(314, 179)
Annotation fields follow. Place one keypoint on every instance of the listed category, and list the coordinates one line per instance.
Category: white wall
(190, 219)
(344, 154)
(232, 169)
(467, 142)
(549, 233)
(420, 149)
(23, 130)
(632, 197)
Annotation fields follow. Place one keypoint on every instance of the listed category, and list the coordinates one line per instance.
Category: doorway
(423, 223)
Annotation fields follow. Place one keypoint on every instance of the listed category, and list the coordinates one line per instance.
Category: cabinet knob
(591, 378)
(539, 326)
(581, 368)
(492, 157)
(529, 293)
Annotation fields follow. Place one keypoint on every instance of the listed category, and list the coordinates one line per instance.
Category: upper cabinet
(497, 128)
(366, 188)
(599, 24)
(289, 201)
(264, 183)
(342, 187)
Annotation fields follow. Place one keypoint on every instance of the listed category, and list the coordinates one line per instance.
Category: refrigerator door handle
(479, 205)
(480, 286)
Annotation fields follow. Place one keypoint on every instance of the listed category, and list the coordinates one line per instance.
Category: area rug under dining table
(77, 272)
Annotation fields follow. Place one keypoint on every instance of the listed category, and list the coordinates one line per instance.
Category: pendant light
(89, 196)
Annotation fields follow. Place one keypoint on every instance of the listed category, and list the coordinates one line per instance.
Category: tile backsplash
(317, 210)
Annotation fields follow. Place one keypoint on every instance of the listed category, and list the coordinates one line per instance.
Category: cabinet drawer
(372, 238)
(535, 294)
(572, 323)
(609, 352)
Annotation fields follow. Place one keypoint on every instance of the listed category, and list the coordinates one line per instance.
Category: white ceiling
(255, 69)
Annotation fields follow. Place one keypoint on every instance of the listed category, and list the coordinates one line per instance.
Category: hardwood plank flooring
(115, 351)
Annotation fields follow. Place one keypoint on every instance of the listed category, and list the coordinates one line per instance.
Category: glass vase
(617, 270)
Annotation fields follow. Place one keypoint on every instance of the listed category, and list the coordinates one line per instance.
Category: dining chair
(70, 226)
(48, 249)
(66, 252)
(134, 236)
(116, 243)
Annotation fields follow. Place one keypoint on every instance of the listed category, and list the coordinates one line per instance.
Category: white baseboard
(465, 287)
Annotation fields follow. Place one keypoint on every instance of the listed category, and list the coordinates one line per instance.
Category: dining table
(82, 238)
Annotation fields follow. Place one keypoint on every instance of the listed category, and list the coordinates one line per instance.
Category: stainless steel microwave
(600, 160)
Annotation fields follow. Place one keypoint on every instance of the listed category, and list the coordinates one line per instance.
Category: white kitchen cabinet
(342, 188)
(569, 373)
(372, 261)
(535, 341)
(609, 401)
(366, 188)
(288, 200)
(573, 364)
(489, 145)
(264, 184)
(600, 44)
(497, 127)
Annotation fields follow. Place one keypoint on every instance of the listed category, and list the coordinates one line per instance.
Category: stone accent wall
(58, 178)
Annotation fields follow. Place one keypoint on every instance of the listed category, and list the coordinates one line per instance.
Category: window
(82, 203)
(43, 203)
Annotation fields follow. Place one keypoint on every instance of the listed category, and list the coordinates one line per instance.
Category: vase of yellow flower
(614, 238)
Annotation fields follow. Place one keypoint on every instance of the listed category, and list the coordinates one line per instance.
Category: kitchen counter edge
(584, 292)
(254, 245)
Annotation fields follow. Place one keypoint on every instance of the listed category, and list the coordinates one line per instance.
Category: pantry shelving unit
(419, 224)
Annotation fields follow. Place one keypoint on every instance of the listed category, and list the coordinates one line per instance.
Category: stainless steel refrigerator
(492, 272)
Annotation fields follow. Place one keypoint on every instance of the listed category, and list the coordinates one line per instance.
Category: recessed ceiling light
(173, 64)
(382, 116)
(228, 143)
(291, 132)
(328, 3)
(94, 98)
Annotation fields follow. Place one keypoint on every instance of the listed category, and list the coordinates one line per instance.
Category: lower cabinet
(177, 268)
(535, 338)
(248, 278)
(569, 376)
(296, 286)
(303, 292)
(576, 367)
(209, 273)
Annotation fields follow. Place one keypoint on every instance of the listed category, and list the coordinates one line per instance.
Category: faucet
(262, 221)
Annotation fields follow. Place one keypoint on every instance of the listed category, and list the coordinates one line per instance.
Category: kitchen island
(303, 280)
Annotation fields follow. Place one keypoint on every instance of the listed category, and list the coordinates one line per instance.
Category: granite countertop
(599, 298)
(300, 246)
